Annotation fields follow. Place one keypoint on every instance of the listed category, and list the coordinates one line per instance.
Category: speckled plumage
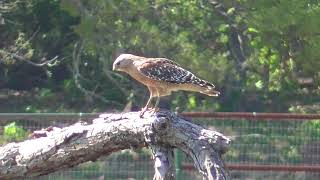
(162, 76)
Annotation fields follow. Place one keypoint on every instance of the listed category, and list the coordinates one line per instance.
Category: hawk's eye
(118, 63)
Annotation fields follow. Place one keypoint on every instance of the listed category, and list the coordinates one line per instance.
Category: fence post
(178, 158)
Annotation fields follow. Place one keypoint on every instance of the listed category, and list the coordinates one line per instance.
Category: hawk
(162, 76)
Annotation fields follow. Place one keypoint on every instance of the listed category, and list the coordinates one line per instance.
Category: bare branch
(58, 149)
(76, 56)
(44, 61)
(50, 62)
(6, 7)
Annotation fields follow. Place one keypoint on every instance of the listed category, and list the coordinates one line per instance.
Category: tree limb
(164, 164)
(76, 60)
(238, 42)
(58, 149)
(45, 62)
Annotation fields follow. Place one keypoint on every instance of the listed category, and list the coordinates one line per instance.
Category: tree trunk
(59, 149)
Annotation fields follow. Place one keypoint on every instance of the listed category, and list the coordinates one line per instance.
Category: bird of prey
(162, 76)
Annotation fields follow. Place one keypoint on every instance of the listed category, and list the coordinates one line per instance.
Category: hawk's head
(123, 62)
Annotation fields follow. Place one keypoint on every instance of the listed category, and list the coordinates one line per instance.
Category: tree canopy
(56, 55)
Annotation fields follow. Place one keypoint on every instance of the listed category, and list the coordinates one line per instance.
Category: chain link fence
(275, 147)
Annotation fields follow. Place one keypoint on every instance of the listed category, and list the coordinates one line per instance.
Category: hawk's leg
(157, 101)
(143, 110)
(160, 92)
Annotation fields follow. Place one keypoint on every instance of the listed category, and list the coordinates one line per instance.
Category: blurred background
(56, 57)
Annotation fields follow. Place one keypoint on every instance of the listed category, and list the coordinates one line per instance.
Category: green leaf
(223, 27)
(251, 29)
(231, 10)
(223, 38)
(13, 132)
(44, 92)
(192, 103)
(259, 84)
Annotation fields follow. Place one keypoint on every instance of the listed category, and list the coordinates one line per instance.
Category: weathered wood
(81, 142)
(163, 163)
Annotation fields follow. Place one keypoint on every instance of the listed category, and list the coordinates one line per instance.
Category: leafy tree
(262, 55)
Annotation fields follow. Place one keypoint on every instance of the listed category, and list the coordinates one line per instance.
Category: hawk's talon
(155, 109)
(141, 114)
(143, 110)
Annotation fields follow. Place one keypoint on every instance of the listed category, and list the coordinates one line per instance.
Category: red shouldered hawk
(161, 76)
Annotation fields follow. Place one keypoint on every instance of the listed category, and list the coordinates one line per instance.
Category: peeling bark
(163, 163)
(82, 142)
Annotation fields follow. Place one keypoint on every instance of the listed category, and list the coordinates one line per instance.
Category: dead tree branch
(45, 62)
(76, 61)
(57, 149)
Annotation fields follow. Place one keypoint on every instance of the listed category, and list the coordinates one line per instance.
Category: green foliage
(254, 51)
(192, 104)
(311, 129)
(13, 132)
(282, 31)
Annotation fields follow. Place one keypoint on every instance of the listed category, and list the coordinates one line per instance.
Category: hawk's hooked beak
(114, 67)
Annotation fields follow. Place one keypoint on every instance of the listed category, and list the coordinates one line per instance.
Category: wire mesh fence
(270, 149)
(278, 147)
